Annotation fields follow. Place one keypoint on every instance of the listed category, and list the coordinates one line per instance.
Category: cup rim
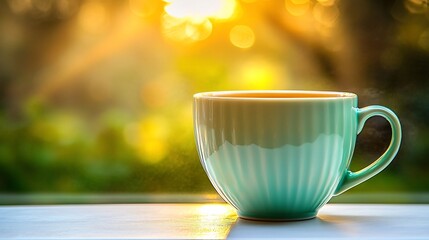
(277, 95)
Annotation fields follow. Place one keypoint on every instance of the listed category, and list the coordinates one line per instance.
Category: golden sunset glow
(99, 93)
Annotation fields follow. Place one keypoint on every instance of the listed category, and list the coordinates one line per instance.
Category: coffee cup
(282, 155)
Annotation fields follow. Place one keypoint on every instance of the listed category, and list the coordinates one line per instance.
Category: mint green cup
(282, 155)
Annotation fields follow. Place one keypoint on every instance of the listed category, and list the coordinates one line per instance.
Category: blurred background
(96, 96)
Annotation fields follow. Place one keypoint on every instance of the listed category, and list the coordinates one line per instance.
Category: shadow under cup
(281, 155)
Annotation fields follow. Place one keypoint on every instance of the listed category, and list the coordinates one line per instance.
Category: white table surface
(210, 221)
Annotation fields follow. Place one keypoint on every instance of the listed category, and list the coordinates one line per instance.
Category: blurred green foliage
(52, 153)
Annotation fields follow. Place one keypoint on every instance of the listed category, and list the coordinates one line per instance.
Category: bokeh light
(327, 15)
(39, 9)
(66, 8)
(191, 20)
(93, 17)
(242, 36)
(20, 6)
(149, 138)
(42, 5)
(61, 128)
(297, 7)
(417, 6)
(186, 29)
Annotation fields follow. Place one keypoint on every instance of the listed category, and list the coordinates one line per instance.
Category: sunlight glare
(221, 213)
(215, 209)
(191, 20)
(201, 9)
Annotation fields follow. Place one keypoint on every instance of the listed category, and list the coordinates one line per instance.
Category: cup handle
(351, 179)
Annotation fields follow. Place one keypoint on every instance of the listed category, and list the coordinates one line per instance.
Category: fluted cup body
(277, 155)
